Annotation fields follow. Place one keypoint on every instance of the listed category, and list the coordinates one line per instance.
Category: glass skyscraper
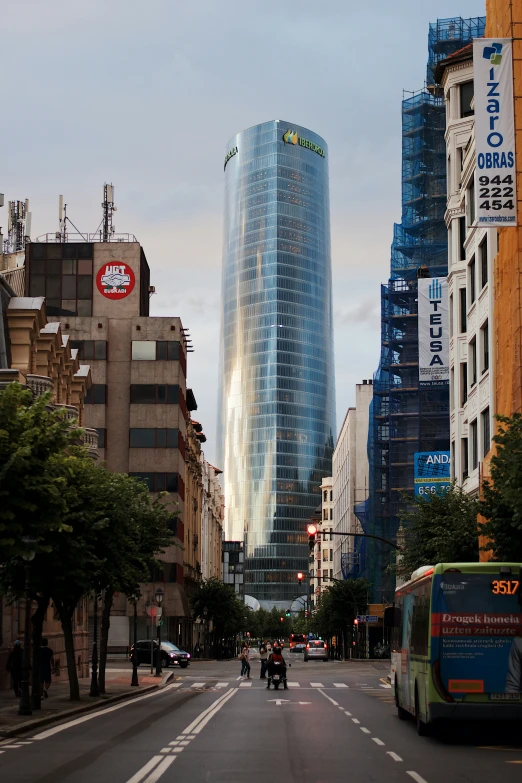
(276, 417)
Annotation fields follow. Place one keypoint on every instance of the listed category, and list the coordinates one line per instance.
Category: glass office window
(62, 272)
(145, 350)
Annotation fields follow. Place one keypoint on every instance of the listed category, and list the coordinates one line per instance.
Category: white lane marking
(294, 684)
(10, 747)
(222, 685)
(317, 685)
(2, 751)
(348, 713)
(177, 685)
(245, 684)
(198, 684)
(140, 774)
(377, 741)
(174, 743)
(77, 721)
(393, 755)
(416, 776)
(177, 750)
(355, 720)
(184, 742)
(385, 686)
(335, 703)
(160, 769)
(340, 685)
(204, 722)
(341, 708)
(366, 731)
(190, 736)
(192, 726)
(165, 750)
(239, 678)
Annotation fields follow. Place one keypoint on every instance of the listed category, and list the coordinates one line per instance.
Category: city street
(336, 722)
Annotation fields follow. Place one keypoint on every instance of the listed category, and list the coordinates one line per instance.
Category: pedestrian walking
(246, 654)
(46, 666)
(14, 666)
(263, 656)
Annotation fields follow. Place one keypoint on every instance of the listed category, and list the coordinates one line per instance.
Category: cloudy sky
(146, 95)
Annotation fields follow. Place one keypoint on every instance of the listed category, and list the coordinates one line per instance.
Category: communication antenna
(108, 209)
(18, 225)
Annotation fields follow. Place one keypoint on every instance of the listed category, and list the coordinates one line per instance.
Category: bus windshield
(477, 632)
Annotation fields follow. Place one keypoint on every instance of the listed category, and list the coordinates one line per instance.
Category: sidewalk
(58, 706)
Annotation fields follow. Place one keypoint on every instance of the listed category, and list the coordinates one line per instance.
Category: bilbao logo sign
(115, 280)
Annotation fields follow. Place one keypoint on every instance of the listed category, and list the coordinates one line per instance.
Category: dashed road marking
(348, 713)
(416, 776)
(294, 684)
(355, 720)
(393, 755)
(317, 685)
(340, 685)
(198, 684)
(377, 741)
(245, 684)
(222, 685)
(366, 731)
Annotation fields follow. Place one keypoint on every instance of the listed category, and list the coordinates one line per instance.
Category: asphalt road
(336, 722)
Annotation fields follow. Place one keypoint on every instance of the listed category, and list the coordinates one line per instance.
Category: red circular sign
(115, 280)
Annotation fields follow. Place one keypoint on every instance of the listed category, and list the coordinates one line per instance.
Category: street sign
(367, 618)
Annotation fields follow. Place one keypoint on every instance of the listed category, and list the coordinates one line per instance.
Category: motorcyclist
(276, 657)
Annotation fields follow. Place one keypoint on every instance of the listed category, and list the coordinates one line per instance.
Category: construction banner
(495, 175)
(433, 332)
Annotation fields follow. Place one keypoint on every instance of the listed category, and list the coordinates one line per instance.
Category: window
(331, 513)
(485, 347)
(96, 395)
(471, 202)
(150, 438)
(63, 274)
(472, 282)
(331, 495)
(451, 314)
(466, 97)
(486, 433)
(483, 258)
(152, 350)
(463, 384)
(331, 573)
(452, 388)
(463, 309)
(159, 482)
(152, 394)
(325, 495)
(325, 513)
(90, 349)
(325, 554)
(465, 463)
(102, 437)
(473, 357)
(325, 575)
(474, 444)
(462, 237)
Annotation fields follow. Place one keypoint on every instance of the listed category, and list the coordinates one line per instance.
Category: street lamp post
(95, 690)
(25, 702)
(159, 600)
(134, 680)
(205, 646)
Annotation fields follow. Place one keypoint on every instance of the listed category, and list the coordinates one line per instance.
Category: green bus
(457, 643)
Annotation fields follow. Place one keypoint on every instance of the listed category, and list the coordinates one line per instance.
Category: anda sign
(495, 183)
(115, 280)
(433, 332)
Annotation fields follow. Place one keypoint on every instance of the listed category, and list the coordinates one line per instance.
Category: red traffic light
(312, 530)
(282, 619)
(356, 621)
(300, 576)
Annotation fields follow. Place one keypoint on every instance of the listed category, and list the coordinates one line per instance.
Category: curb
(59, 717)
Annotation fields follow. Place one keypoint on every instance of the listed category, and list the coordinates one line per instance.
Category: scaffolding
(404, 418)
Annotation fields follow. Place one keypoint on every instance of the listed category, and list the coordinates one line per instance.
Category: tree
(213, 601)
(339, 605)
(439, 529)
(502, 496)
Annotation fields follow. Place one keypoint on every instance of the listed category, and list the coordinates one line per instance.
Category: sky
(146, 95)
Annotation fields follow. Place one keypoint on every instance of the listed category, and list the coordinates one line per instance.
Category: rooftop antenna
(108, 209)
(19, 219)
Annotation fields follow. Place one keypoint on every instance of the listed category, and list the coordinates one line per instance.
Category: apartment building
(322, 568)
(351, 486)
(212, 515)
(471, 251)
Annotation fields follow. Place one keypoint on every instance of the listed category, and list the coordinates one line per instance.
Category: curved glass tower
(277, 403)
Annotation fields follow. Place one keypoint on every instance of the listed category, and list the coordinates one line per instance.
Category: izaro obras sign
(495, 175)
(292, 137)
(230, 154)
(115, 280)
(431, 473)
(433, 332)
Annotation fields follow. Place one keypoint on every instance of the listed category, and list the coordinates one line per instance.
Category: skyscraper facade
(276, 417)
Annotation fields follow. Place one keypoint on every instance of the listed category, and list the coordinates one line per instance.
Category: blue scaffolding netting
(404, 418)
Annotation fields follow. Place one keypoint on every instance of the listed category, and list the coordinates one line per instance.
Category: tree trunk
(104, 636)
(66, 614)
(42, 602)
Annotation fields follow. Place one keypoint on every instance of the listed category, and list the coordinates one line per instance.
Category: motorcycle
(277, 677)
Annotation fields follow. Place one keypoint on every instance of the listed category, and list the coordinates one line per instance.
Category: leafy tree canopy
(340, 603)
(439, 529)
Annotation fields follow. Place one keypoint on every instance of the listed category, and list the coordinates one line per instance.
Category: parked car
(316, 650)
(170, 654)
(298, 648)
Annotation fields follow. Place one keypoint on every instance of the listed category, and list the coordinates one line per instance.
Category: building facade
(276, 409)
(351, 487)
(233, 565)
(471, 250)
(405, 417)
(212, 513)
(322, 563)
(38, 355)
(99, 291)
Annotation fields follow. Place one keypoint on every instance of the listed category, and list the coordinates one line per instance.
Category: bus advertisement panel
(477, 634)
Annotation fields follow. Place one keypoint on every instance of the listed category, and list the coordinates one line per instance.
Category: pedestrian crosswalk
(257, 684)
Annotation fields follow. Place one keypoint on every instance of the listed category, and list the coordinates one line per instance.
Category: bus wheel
(422, 728)
(401, 712)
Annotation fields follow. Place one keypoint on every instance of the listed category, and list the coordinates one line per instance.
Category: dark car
(300, 647)
(170, 654)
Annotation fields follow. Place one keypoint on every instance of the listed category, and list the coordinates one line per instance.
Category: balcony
(90, 439)
(40, 384)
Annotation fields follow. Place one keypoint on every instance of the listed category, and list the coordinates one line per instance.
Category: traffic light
(288, 614)
(312, 532)
(282, 619)
(300, 577)
(356, 621)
